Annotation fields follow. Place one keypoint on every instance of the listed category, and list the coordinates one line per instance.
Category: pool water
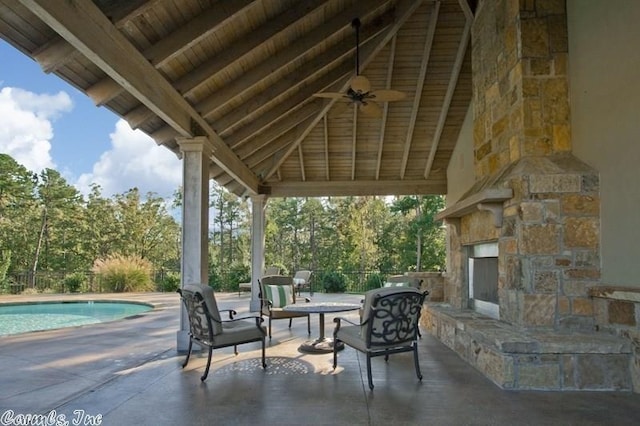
(22, 318)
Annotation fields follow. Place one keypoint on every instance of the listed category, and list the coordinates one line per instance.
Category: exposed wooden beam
(292, 82)
(278, 129)
(354, 138)
(84, 26)
(351, 188)
(325, 128)
(58, 52)
(271, 149)
(285, 57)
(282, 110)
(194, 31)
(426, 54)
(301, 159)
(385, 108)
(139, 115)
(453, 81)
(55, 54)
(104, 91)
(209, 69)
(404, 10)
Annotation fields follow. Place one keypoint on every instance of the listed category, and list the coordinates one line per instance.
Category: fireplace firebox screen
(483, 279)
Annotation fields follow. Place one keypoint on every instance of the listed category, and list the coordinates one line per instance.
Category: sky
(47, 123)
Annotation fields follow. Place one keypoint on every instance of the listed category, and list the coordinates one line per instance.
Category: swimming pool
(25, 317)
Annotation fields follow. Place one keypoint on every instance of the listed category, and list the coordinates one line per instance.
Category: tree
(17, 218)
(421, 231)
(60, 211)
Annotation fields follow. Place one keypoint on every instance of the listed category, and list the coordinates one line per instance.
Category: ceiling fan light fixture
(360, 84)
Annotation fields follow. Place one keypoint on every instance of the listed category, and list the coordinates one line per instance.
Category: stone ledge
(516, 358)
(509, 339)
(629, 294)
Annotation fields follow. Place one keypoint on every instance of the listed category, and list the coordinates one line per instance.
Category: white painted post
(258, 205)
(194, 266)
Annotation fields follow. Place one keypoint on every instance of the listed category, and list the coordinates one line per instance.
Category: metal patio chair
(389, 325)
(207, 328)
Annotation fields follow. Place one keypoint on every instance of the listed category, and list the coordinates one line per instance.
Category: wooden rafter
(404, 10)
(209, 69)
(84, 26)
(385, 108)
(453, 80)
(282, 59)
(426, 54)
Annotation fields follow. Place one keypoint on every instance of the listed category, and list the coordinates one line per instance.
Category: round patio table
(322, 344)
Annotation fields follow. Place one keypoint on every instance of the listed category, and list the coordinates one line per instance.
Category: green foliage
(333, 282)
(74, 282)
(5, 260)
(119, 273)
(238, 273)
(170, 282)
(374, 281)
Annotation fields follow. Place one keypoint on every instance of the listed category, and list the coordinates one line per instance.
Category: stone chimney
(547, 220)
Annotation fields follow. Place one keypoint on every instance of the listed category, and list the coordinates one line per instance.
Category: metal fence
(168, 281)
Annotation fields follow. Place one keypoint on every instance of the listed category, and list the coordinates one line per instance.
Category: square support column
(194, 264)
(258, 205)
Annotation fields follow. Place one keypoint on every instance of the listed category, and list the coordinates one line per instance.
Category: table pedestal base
(319, 346)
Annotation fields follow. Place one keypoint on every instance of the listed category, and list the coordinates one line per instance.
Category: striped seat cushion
(279, 295)
(399, 284)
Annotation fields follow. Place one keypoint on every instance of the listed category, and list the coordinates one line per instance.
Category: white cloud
(134, 160)
(25, 125)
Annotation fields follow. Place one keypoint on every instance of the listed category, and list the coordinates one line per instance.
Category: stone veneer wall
(549, 232)
(548, 240)
(617, 311)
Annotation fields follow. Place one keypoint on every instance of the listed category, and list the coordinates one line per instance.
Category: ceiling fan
(359, 93)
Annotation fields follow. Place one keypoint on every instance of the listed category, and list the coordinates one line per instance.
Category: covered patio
(511, 111)
(129, 373)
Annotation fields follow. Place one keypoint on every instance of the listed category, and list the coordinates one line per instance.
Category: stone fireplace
(523, 241)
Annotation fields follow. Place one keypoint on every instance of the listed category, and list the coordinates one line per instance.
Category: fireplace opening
(483, 279)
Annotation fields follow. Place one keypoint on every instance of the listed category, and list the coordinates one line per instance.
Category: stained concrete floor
(128, 372)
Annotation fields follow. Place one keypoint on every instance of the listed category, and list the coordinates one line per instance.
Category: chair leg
(416, 362)
(290, 321)
(235, 349)
(309, 325)
(186, 361)
(369, 372)
(264, 362)
(335, 353)
(206, 371)
(269, 328)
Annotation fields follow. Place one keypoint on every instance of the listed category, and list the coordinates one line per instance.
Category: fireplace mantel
(490, 199)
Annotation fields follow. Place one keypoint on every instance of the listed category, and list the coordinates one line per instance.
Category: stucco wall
(604, 76)
(460, 172)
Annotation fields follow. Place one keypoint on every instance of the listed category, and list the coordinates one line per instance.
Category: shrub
(74, 282)
(238, 273)
(170, 282)
(374, 281)
(124, 273)
(334, 282)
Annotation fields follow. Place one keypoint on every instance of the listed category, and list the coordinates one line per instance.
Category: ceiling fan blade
(329, 95)
(371, 109)
(387, 95)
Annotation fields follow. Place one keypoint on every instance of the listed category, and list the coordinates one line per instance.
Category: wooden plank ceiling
(243, 73)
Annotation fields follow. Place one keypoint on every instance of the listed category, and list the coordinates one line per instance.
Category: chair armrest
(257, 318)
(266, 302)
(231, 312)
(338, 321)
